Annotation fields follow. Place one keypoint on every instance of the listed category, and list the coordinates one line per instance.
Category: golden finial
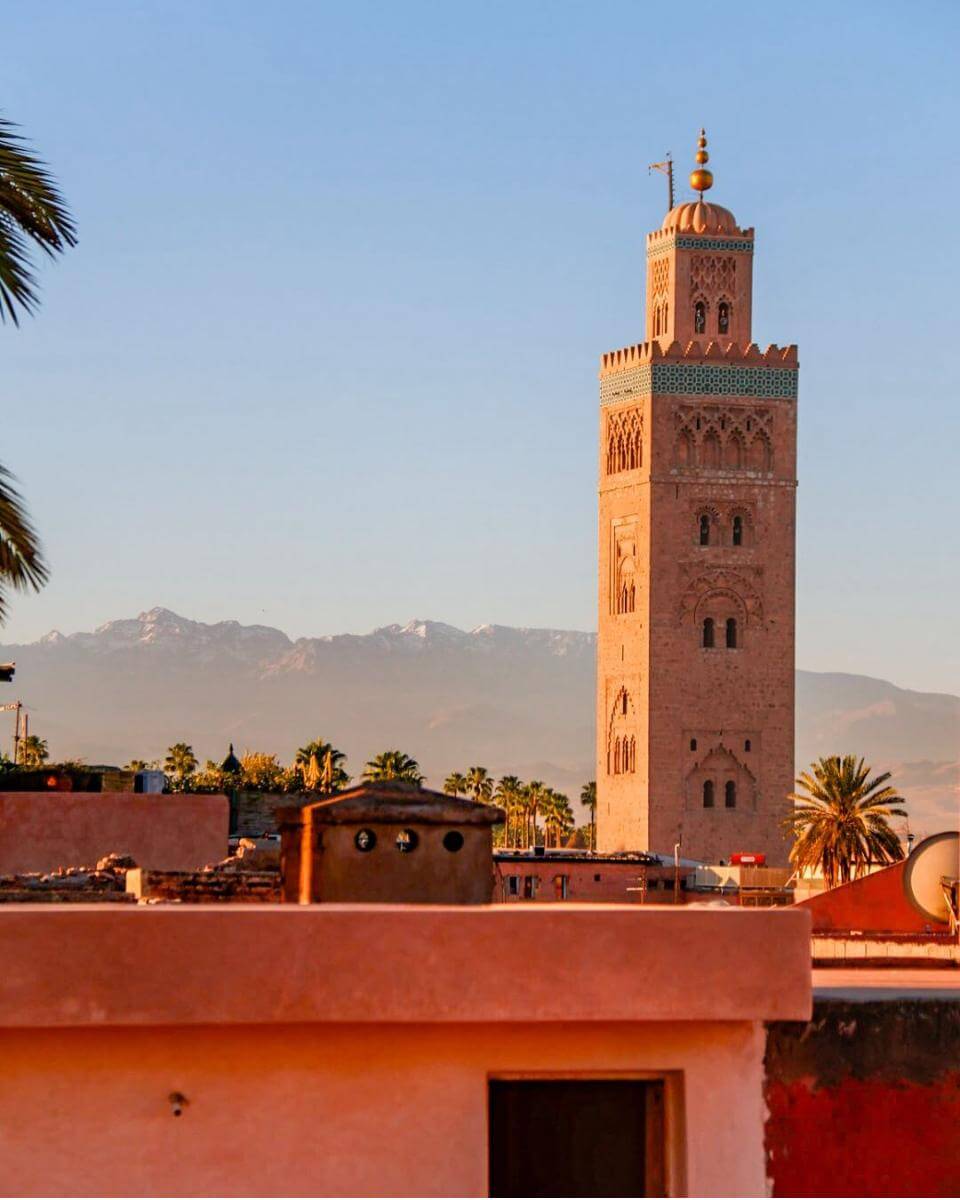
(701, 178)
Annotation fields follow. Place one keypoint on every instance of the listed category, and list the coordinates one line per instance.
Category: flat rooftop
(89, 964)
(887, 983)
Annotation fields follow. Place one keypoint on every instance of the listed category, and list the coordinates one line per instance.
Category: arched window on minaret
(685, 451)
(666, 314)
(730, 794)
(731, 633)
(708, 793)
(616, 757)
(704, 529)
(633, 755)
(708, 633)
(700, 317)
(738, 530)
(723, 317)
(760, 456)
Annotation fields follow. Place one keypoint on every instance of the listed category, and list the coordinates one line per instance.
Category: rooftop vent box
(388, 843)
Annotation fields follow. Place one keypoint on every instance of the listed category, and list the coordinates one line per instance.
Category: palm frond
(22, 564)
(32, 210)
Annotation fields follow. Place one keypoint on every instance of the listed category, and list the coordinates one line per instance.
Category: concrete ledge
(88, 965)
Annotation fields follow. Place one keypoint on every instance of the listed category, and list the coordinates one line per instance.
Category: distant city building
(695, 685)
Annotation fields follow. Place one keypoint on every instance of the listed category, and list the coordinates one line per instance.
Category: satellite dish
(934, 859)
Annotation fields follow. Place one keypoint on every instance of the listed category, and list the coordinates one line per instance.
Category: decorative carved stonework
(721, 766)
(723, 437)
(624, 440)
(722, 582)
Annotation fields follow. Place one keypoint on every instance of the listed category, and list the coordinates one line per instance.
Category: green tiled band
(700, 243)
(701, 379)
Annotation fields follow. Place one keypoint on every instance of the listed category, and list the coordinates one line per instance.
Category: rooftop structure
(247, 1050)
(388, 842)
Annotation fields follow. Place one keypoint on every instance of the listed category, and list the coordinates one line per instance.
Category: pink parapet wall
(348, 1049)
(40, 831)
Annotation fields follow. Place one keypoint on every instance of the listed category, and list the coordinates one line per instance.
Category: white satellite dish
(934, 859)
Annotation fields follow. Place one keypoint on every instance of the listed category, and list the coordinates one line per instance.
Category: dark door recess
(576, 1137)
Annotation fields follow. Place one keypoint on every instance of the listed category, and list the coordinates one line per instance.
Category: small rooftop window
(365, 840)
(407, 841)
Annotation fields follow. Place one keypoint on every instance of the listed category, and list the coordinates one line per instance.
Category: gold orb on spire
(701, 178)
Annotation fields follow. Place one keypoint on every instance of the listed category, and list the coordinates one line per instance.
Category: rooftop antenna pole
(665, 168)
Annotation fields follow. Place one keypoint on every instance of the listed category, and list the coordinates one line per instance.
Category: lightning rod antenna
(665, 168)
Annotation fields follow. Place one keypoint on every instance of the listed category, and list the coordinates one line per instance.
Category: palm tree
(480, 785)
(841, 822)
(180, 762)
(393, 764)
(136, 764)
(455, 783)
(549, 812)
(534, 793)
(33, 751)
(320, 765)
(588, 798)
(508, 795)
(564, 821)
(31, 211)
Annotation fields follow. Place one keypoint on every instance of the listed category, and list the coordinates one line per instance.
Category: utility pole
(14, 707)
(26, 732)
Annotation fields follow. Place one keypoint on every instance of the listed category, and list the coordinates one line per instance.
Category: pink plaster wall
(346, 1049)
(40, 831)
(252, 964)
(339, 1110)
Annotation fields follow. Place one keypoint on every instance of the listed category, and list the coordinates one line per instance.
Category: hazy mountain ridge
(516, 700)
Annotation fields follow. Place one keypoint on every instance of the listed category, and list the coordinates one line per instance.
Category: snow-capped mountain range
(514, 700)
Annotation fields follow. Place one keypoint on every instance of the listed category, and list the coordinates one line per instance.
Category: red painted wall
(865, 1137)
(874, 904)
(864, 1100)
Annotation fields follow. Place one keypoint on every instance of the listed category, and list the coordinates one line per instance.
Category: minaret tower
(695, 661)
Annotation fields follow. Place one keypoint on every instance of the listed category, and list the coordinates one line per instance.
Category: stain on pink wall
(40, 831)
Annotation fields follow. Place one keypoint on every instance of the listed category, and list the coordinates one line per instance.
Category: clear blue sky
(325, 357)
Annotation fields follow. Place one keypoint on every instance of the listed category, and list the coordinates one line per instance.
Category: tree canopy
(841, 819)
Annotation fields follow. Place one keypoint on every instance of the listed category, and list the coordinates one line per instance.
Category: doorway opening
(576, 1137)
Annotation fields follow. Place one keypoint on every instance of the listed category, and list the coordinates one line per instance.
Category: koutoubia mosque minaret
(698, 475)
